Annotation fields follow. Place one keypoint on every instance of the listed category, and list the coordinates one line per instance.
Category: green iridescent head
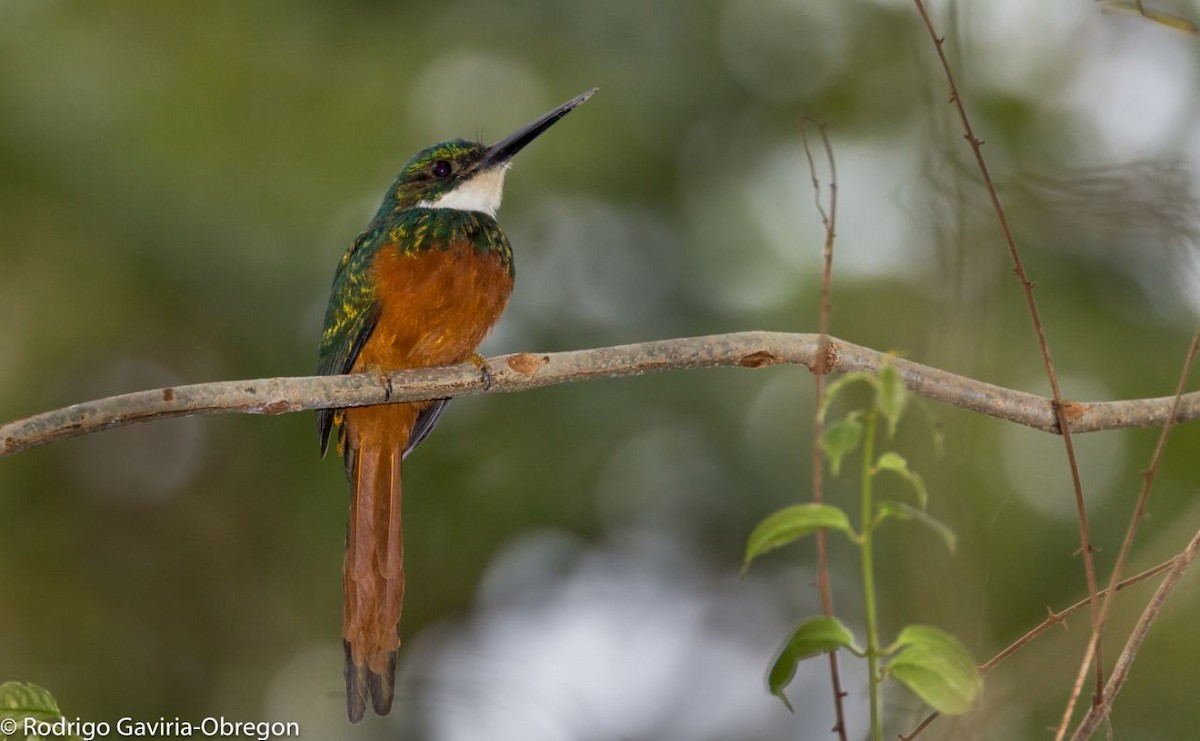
(465, 175)
(435, 171)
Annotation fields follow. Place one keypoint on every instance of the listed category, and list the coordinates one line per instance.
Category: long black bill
(505, 150)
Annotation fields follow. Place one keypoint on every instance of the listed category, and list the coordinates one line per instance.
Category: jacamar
(421, 287)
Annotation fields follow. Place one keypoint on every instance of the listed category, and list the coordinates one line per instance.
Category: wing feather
(350, 318)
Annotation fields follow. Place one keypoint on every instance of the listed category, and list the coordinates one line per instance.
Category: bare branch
(525, 371)
(1027, 285)
(1101, 708)
(1121, 669)
(829, 220)
(1052, 619)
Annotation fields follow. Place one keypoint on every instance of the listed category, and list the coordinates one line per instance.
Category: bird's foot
(485, 369)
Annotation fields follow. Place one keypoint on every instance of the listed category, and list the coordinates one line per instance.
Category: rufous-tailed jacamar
(421, 287)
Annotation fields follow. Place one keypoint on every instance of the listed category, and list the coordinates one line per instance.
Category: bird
(421, 286)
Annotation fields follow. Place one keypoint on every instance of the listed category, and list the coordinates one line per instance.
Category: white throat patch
(481, 193)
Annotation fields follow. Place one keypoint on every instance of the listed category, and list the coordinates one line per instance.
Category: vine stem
(1039, 328)
(829, 221)
(1100, 710)
(868, 570)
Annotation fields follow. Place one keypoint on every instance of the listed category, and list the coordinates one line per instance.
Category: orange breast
(436, 306)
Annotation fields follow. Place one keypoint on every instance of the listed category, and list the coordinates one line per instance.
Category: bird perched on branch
(421, 287)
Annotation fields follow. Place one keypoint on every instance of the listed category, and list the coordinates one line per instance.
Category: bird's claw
(485, 370)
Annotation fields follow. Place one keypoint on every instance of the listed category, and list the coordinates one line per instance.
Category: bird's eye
(442, 168)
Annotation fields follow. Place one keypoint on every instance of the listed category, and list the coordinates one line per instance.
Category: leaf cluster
(932, 663)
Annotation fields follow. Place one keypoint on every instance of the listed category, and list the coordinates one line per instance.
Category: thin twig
(1085, 538)
(829, 221)
(1121, 668)
(1101, 709)
(1054, 618)
(525, 371)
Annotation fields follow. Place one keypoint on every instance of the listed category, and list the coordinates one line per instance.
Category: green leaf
(1169, 20)
(895, 463)
(836, 387)
(937, 667)
(790, 523)
(902, 511)
(840, 439)
(21, 700)
(891, 397)
(1179, 23)
(811, 637)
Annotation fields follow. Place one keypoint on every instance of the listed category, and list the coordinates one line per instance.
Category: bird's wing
(427, 419)
(350, 318)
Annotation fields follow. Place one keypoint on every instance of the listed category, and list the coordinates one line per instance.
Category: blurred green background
(177, 183)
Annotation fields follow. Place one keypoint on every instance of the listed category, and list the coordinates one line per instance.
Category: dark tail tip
(383, 686)
(361, 682)
(356, 687)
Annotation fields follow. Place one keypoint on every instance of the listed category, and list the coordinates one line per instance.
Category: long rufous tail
(373, 576)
